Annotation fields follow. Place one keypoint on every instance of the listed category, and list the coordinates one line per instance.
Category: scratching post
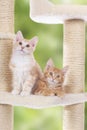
(74, 56)
(6, 26)
(73, 17)
(43, 11)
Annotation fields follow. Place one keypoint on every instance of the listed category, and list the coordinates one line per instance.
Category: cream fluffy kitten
(23, 65)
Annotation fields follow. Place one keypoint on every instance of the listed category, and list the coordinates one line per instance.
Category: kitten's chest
(22, 62)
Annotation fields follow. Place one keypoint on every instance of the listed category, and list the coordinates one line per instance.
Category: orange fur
(52, 82)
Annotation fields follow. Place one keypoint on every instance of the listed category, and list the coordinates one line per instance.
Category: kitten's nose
(52, 80)
(22, 47)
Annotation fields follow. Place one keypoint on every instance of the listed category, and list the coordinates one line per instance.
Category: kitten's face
(54, 76)
(24, 46)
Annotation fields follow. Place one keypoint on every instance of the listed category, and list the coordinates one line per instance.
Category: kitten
(53, 81)
(24, 68)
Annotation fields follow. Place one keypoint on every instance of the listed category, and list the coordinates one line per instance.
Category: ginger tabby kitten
(52, 83)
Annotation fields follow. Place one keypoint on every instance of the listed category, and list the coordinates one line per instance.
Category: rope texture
(6, 16)
(6, 25)
(74, 56)
(6, 36)
(5, 75)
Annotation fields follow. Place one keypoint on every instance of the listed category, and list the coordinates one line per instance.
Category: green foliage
(47, 119)
(50, 45)
(69, 1)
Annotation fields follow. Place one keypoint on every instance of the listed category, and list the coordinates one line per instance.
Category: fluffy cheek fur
(59, 80)
(28, 50)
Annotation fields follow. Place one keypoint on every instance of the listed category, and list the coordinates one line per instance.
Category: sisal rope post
(6, 25)
(74, 56)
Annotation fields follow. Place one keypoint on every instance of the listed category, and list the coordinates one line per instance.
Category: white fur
(21, 64)
(22, 61)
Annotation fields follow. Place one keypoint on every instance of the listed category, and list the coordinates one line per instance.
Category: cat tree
(73, 17)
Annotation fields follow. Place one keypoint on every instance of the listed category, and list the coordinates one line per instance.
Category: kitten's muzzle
(22, 48)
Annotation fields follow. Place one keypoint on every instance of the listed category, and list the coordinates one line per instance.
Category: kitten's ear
(65, 69)
(33, 42)
(49, 64)
(19, 36)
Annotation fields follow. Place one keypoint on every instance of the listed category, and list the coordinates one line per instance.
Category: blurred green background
(50, 45)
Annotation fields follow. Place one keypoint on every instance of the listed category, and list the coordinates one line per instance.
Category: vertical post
(6, 25)
(74, 56)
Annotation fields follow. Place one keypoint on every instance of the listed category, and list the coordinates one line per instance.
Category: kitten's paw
(15, 92)
(52, 94)
(61, 95)
(25, 93)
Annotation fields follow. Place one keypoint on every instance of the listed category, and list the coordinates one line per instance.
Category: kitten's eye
(58, 76)
(51, 73)
(28, 45)
(20, 43)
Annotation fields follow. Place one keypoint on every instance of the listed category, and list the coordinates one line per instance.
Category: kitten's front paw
(25, 93)
(15, 92)
(61, 95)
